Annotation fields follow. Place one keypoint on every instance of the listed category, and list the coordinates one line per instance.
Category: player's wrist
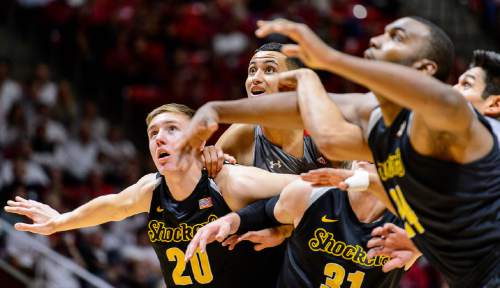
(285, 230)
(234, 222)
(60, 223)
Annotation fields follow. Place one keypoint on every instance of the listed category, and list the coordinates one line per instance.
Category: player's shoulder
(149, 180)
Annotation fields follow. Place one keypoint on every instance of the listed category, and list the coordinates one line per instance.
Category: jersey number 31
(335, 275)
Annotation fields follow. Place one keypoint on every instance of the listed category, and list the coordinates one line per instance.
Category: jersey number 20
(335, 275)
(199, 265)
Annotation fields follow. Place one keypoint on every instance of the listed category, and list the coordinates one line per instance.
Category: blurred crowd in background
(72, 121)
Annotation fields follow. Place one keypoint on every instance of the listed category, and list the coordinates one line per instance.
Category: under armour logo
(276, 164)
(321, 160)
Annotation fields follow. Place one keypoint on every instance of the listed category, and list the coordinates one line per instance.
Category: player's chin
(167, 167)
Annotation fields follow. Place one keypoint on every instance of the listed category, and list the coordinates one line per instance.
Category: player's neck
(390, 110)
(182, 183)
(366, 206)
(290, 141)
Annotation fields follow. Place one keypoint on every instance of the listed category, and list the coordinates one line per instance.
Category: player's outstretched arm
(114, 207)
(445, 108)
(242, 185)
(357, 180)
(279, 110)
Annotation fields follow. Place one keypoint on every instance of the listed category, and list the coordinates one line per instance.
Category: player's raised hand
(392, 241)
(328, 177)
(200, 128)
(310, 49)
(43, 216)
(217, 230)
(266, 238)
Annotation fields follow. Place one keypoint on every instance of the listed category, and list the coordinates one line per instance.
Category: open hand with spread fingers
(44, 217)
(310, 49)
(265, 238)
(392, 241)
(218, 230)
(328, 177)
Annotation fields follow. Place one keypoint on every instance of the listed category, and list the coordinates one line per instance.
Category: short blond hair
(170, 108)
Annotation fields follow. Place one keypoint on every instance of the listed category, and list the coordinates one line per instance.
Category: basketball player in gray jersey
(274, 150)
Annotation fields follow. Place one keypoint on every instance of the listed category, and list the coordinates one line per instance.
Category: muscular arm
(443, 107)
(336, 138)
(334, 127)
(113, 207)
(242, 185)
(447, 128)
(133, 200)
(238, 141)
(293, 202)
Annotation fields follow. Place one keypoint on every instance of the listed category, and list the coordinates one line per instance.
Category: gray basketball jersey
(271, 158)
(495, 126)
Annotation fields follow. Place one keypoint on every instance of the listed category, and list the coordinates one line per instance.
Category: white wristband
(359, 181)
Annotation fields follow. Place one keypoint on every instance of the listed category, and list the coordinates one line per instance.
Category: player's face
(164, 131)
(400, 43)
(263, 73)
(472, 84)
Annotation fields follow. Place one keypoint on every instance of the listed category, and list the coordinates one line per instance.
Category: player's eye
(270, 70)
(252, 70)
(397, 36)
(467, 85)
(153, 133)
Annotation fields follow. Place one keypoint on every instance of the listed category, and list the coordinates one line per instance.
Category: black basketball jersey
(451, 211)
(172, 224)
(329, 247)
(271, 158)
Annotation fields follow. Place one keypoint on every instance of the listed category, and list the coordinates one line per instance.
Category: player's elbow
(332, 147)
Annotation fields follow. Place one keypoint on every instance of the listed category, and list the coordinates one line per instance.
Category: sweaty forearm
(98, 211)
(402, 85)
(276, 110)
(337, 138)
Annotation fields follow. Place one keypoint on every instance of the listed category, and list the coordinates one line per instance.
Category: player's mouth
(163, 155)
(256, 91)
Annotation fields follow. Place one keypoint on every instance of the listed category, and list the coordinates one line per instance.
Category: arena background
(77, 78)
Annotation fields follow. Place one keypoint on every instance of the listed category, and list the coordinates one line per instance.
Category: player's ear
(426, 66)
(493, 106)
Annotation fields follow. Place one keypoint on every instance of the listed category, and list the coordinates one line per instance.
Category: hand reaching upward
(310, 49)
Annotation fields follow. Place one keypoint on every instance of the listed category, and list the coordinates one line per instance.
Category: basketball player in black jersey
(480, 85)
(327, 247)
(445, 185)
(179, 202)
